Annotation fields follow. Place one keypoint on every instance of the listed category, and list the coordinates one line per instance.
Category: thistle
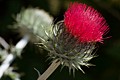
(74, 38)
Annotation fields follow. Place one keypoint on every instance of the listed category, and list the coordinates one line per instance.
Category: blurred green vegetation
(107, 63)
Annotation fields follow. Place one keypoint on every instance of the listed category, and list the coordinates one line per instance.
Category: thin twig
(50, 70)
(4, 43)
(6, 63)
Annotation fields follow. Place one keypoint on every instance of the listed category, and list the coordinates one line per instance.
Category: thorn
(37, 72)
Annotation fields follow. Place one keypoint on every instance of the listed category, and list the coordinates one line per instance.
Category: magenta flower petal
(85, 23)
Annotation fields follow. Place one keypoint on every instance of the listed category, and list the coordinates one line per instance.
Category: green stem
(50, 70)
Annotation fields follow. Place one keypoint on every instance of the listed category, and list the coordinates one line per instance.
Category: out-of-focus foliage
(107, 63)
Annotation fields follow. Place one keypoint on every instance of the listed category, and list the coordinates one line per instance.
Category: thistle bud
(34, 21)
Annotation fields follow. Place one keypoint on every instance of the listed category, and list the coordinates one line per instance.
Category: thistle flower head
(74, 39)
(85, 23)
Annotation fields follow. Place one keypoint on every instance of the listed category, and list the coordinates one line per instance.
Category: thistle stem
(4, 43)
(6, 63)
(50, 70)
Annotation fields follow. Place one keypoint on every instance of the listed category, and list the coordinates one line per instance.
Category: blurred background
(107, 63)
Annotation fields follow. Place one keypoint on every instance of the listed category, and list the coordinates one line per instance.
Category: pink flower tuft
(85, 23)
